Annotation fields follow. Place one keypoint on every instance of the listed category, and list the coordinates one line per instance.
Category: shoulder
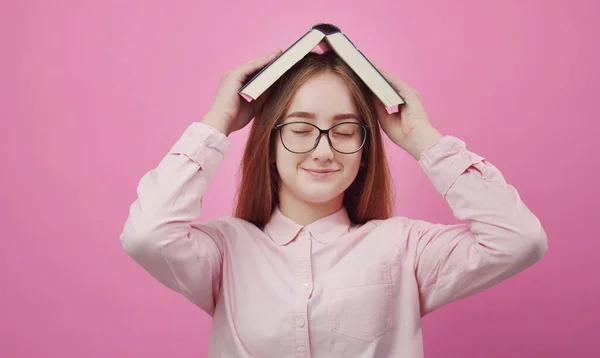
(226, 227)
(394, 223)
(398, 229)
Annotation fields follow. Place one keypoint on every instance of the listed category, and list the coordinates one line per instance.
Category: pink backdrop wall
(93, 94)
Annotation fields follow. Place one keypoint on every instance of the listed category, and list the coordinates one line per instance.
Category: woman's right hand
(229, 112)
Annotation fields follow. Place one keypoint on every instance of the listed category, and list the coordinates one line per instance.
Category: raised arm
(500, 236)
(158, 233)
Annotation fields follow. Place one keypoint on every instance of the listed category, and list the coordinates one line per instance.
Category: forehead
(325, 94)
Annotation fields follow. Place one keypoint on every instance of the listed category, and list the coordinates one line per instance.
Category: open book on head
(320, 38)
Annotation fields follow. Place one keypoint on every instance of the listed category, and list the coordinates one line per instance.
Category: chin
(319, 196)
(318, 200)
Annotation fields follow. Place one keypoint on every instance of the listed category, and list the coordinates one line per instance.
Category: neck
(304, 213)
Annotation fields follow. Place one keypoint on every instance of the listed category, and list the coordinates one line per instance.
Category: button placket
(304, 286)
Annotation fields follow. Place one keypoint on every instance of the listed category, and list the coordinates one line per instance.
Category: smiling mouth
(321, 173)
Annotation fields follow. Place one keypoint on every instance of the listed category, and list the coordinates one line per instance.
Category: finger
(397, 83)
(255, 65)
(260, 101)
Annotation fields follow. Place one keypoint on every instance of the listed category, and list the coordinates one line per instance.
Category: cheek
(351, 169)
(352, 163)
(285, 161)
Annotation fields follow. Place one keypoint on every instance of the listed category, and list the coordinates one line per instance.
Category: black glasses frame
(321, 132)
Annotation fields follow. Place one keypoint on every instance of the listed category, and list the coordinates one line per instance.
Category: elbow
(137, 244)
(134, 245)
(539, 245)
(146, 239)
(534, 246)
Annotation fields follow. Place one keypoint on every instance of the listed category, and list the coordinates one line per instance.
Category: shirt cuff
(446, 160)
(197, 139)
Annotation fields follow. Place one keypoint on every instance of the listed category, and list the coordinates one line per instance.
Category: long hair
(369, 197)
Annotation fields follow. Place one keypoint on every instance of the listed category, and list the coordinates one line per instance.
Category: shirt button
(306, 286)
(300, 322)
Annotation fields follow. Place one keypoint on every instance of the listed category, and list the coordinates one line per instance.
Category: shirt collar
(282, 229)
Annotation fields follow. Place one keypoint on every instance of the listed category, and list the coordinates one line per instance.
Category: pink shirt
(331, 288)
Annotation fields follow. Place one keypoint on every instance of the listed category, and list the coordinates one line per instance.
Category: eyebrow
(310, 115)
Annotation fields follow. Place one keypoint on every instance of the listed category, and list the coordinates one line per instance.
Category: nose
(323, 150)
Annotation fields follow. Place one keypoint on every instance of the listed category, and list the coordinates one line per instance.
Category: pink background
(93, 94)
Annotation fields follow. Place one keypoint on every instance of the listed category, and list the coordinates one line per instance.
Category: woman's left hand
(409, 128)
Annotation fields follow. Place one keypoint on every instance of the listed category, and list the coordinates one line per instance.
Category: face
(322, 175)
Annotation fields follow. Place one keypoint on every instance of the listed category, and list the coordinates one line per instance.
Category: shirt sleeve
(158, 233)
(499, 237)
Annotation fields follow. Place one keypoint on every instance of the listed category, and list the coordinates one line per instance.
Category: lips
(321, 171)
(321, 174)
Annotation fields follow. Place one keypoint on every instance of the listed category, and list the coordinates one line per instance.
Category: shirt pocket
(359, 302)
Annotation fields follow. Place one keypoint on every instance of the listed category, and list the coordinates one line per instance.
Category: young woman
(313, 264)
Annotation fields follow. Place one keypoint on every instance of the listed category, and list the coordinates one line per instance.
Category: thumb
(252, 67)
(402, 87)
(260, 101)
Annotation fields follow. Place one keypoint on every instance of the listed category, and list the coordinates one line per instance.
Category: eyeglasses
(304, 137)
